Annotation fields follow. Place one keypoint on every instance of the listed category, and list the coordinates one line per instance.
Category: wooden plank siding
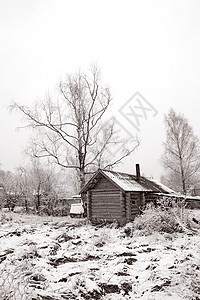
(123, 207)
(104, 184)
(128, 207)
(89, 211)
(150, 197)
(133, 204)
(114, 205)
(105, 205)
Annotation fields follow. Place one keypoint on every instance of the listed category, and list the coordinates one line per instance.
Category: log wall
(150, 197)
(105, 204)
(134, 200)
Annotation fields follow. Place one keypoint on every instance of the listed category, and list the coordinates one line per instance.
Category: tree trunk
(82, 178)
(183, 178)
(184, 186)
(37, 202)
(26, 204)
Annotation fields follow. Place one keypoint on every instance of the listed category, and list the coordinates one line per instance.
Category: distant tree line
(31, 187)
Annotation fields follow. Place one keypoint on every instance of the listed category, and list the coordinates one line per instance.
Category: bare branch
(68, 128)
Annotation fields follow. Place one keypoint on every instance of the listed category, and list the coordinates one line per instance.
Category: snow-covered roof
(128, 182)
(164, 187)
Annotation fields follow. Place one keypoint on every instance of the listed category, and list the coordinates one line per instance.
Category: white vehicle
(76, 210)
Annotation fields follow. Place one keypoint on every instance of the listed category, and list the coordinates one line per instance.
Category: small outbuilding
(116, 196)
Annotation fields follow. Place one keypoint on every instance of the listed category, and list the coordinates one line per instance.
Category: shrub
(15, 281)
(155, 219)
(54, 211)
(5, 218)
(162, 219)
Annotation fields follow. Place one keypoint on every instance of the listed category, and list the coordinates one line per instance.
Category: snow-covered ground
(61, 258)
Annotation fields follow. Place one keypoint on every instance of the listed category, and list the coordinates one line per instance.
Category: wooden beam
(128, 206)
(89, 209)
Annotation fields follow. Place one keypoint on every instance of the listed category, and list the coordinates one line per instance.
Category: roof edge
(86, 185)
(99, 171)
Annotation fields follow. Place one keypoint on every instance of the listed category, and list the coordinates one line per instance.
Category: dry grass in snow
(59, 258)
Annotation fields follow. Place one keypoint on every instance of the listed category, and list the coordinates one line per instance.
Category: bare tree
(69, 129)
(22, 181)
(181, 154)
(42, 182)
(10, 188)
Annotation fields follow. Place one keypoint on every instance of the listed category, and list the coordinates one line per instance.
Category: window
(134, 198)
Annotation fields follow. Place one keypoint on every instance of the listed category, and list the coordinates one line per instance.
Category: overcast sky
(148, 46)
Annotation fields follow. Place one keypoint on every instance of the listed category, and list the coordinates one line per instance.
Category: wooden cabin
(116, 196)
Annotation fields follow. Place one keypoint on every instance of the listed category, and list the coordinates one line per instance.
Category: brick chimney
(137, 172)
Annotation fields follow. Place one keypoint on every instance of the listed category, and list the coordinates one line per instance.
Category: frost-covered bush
(163, 219)
(54, 211)
(17, 280)
(155, 219)
(5, 218)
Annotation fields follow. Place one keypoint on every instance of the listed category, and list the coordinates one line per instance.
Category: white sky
(148, 46)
